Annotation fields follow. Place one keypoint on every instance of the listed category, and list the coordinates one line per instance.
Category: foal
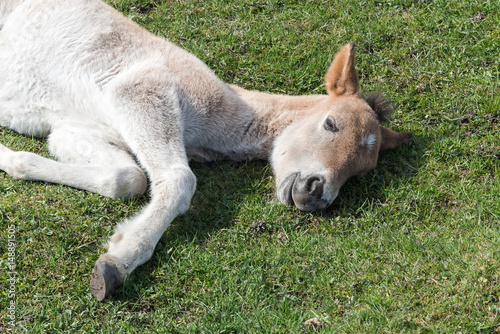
(121, 107)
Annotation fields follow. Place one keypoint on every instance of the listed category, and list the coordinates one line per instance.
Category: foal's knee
(188, 182)
(125, 182)
(178, 185)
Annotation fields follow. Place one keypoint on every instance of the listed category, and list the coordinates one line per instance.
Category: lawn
(412, 247)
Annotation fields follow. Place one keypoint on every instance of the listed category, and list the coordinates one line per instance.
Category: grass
(412, 247)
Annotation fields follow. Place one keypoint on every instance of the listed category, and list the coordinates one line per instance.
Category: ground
(410, 247)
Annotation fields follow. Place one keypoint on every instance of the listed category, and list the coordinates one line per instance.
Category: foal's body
(119, 106)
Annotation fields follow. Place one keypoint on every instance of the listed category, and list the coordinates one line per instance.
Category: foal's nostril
(314, 185)
(307, 193)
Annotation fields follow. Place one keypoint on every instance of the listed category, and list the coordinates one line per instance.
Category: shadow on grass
(394, 168)
(223, 187)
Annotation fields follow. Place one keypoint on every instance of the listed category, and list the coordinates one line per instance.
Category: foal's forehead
(350, 103)
(352, 110)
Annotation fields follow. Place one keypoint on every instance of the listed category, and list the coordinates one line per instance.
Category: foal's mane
(382, 106)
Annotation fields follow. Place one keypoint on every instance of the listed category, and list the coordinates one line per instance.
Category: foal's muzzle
(306, 193)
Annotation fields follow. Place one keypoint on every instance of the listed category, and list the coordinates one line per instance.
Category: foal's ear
(342, 78)
(392, 139)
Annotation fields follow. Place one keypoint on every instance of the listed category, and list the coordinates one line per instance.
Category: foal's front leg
(135, 239)
(153, 130)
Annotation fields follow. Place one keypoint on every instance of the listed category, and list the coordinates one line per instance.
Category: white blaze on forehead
(368, 141)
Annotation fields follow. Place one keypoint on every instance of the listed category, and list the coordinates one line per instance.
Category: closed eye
(330, 124)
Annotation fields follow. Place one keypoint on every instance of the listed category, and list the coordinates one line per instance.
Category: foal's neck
(277, 111)
(244, 124)
(265, 115)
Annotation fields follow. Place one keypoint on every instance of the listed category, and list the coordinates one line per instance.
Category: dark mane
(382, 107)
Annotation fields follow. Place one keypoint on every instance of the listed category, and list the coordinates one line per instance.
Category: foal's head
(342, 137)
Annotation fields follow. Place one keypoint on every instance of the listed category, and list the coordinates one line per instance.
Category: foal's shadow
(393, 169)
(223, 187)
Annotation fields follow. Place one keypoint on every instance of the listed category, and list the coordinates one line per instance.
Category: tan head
(312, 158)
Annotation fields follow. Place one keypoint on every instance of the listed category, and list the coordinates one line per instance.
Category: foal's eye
(330, 125)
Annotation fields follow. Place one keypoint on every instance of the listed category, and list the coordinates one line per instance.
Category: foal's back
(59, 57)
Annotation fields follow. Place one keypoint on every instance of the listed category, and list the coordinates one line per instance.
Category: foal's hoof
(105, 278)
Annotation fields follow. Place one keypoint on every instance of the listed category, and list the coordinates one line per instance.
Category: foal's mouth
(285, 189)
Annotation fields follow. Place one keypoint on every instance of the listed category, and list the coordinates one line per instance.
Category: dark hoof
(105, 278)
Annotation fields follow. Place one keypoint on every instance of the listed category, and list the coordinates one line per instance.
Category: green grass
(412, 247)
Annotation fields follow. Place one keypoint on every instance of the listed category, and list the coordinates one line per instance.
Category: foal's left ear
(392, 139)
(342, 78)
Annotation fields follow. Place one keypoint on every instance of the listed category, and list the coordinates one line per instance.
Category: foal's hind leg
(86, 161)
(101, 157)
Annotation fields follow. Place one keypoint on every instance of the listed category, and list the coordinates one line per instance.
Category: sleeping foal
(122, 108)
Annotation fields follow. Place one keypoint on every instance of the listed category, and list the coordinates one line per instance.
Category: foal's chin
(306, 193)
